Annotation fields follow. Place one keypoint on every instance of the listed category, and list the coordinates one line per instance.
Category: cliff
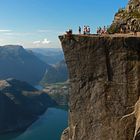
(20, 105)
(105, 86)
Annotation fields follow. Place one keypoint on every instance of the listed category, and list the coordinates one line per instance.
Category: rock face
(127, 19)
(105, 85)
(20, 105)
(16, 62)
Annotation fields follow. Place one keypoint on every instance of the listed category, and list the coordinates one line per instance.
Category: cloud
(42, 42)
(9, 34)
(3, 31)
(37, 42)
(12, 33)
(45, 41)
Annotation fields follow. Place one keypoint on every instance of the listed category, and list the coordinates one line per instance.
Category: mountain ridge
(20, 105)
(56, 74)
(16, 62)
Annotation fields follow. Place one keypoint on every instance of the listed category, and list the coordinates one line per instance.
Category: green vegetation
(134, 14)
(56, 85)
(120, 11)
(58, 92)
(113, 29)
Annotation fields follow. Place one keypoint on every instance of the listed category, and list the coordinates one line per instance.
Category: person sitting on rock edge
(69, 33)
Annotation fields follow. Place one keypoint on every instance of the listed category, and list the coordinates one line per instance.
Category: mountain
(48, 55)
(56, 73)
(18, 63)
(20, 105)
(127, 18)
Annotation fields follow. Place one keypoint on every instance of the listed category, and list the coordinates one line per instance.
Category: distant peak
(12, 46)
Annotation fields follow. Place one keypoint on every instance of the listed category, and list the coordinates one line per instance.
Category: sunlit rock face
(127, 19)
(105, 86)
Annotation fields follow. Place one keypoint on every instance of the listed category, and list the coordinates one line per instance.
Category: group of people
(101, 30)
(86, 30)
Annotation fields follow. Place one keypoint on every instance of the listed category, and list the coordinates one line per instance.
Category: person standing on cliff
(104, 30)
(79, 30)
(84, 30)
(99, 31)
(88, 30)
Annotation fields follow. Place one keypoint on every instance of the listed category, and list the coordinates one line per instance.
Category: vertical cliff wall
(105, 85)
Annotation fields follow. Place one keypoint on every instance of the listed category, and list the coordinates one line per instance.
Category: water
(48, 127)
(39, 87)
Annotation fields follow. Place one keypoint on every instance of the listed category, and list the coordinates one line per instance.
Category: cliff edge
(105, 85)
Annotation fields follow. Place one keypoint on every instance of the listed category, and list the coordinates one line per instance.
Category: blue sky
(37, 23)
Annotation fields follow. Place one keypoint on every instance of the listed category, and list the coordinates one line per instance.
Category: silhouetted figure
(99, 30)
(79, 30)
(69, 33)
(104, 30)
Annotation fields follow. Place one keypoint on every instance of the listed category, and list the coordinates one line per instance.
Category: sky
(37, 23)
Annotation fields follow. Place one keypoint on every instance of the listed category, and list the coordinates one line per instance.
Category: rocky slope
(20, 105)
(105, 86)
(56, 73)
(16, 62)
(128, 18)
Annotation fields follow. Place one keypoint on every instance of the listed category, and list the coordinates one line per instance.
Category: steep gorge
(105, 86)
